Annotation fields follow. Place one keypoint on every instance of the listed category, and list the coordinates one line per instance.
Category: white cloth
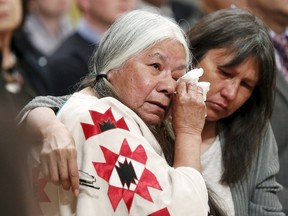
(212, 171)
(110, 137)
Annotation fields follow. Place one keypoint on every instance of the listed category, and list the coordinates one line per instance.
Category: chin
(152, 121)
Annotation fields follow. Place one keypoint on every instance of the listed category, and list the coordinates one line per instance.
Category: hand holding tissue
(193, 76)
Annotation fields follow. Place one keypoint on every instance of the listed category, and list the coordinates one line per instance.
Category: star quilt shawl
(121, 166)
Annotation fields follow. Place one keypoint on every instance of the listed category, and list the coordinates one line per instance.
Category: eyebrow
(250, 81)
(159, 56)
(164, 58)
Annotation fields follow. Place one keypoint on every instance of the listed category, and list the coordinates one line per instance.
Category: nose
(230, 89)
(167, 84)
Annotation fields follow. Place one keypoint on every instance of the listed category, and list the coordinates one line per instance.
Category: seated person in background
(46, 26)
(238, 151)
(15, 93)
(15, 89)
(184, 12)
(70, 63)
(125, 98)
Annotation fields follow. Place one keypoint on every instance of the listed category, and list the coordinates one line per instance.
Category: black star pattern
(126, 173)
(107, 125)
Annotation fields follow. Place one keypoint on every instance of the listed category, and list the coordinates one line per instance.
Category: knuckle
(74, 173)
(54, 179)
(66, 185)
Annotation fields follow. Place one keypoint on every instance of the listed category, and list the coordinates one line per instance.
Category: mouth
(159, 105)
(217, 106)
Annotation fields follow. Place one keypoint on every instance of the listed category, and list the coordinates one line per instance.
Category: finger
(73, 171)
(200, 95)
(53, 169)
(180, 88)
(191, 87)
(44, 167)
(63, 173)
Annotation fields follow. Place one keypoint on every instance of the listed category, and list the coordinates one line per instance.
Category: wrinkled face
(52, 7)
(106, 11)
(146, 82)
(230, 88)
(10, 15)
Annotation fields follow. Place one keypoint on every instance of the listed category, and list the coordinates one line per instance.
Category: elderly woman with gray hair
(239, 158)
(117, 122)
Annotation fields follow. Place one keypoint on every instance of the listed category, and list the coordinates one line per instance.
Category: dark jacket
(69, 64)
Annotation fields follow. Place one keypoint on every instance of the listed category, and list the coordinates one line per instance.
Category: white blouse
(212, 170)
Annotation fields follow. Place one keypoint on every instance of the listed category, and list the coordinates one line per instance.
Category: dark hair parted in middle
(244, 36)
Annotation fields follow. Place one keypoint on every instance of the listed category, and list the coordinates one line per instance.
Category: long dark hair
(245, 36)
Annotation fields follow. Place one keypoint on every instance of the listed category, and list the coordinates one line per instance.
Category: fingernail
(76, 192)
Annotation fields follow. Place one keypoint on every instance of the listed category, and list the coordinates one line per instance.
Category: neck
(209, 133)
(98, 25)
(8, 58)
(51, 23)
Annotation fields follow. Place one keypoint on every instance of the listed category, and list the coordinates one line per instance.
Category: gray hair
(131, 34)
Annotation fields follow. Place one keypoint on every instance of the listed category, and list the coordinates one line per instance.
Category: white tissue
(205, 87)
(193, 76)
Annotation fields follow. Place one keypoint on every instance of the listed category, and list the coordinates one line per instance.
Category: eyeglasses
(87, 180)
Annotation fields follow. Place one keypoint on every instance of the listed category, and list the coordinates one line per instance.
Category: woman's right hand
(188, 117)
(58, 154)
(189, 109)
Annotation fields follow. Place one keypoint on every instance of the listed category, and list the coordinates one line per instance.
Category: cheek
(136, 92)
(241, 99)
(18, 16)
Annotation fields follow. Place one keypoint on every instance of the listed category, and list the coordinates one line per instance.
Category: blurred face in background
(10, 15)
(209, 6)
(157, 3)
(50, 8)
(274, 13)
(104, 12)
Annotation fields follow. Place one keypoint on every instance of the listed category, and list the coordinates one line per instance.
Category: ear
(112, 75)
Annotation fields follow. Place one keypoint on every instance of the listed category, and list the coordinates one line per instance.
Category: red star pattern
(161, 212)
(102, 122)
(38, 190)
(145, 178)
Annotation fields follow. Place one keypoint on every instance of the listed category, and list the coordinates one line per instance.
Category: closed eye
(224, 73)
(247, 86)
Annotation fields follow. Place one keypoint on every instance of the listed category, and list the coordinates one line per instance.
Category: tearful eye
(156, 66)
(178, 74)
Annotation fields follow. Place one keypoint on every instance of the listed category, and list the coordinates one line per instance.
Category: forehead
(166, 50)
(222, 57)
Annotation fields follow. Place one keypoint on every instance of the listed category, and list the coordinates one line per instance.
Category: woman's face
(51, 8)
(10, 15)
(106, 11)
(230, 87)
(147, 81)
